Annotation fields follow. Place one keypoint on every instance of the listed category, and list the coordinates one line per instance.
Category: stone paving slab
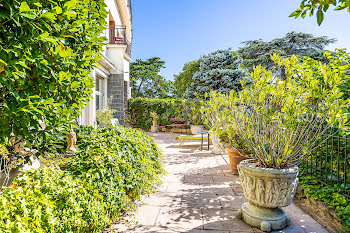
(200, 195)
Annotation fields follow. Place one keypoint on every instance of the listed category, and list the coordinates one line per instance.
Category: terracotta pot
(235, 159)
(154, 123)
(266, 189)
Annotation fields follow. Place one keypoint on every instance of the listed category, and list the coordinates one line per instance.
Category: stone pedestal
(266, 219)
(154, 129)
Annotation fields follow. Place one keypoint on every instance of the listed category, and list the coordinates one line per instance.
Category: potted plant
(235, 147)
(210, 109)
(104, 116)
(279, 120)
(193, 112)
(154, 117)
(154, 127)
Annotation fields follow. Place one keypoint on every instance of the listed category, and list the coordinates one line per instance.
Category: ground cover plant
(329, 195)
(98, 185)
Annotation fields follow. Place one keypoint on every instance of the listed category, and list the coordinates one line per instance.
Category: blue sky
(179, 31)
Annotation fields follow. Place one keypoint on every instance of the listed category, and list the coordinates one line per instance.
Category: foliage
(309, 6)
(192, 109)
(184, 79)
(329, 195)
(104, 116)
(280, 119)
(258, 52)
(47, 52)
(114, 167)
(147, 81)
(215, 108)
(220, 71)
(140, 108)
(154, 116)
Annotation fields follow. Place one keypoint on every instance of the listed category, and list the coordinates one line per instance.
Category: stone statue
(270, 192)
(260, 188)
(283, 193)
(71, 140)
(251, 187)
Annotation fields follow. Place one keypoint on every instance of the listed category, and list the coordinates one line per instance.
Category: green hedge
(140, 109)
(114, 167)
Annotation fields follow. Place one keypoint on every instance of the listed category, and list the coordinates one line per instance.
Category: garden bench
(178, 123)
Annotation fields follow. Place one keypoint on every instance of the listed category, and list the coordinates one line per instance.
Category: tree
(309, 6)
(47, 52)
(258, 52)
(185, 78)
(147, 81)
(221, 71)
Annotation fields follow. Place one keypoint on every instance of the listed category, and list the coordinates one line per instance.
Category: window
(100, 92)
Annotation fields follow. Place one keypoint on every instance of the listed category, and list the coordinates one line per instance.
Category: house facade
(112, 80)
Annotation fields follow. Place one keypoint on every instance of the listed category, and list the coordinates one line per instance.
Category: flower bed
(102, 182)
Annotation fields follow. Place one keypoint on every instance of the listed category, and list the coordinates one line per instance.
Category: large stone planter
(266, 190)
(154, 129)
(218, 147)
(195, 129)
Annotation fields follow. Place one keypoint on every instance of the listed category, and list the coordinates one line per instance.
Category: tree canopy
(221, 71)
(184, 78)
(147, 81)
(310, 6)
(258, 52)
(47, 52)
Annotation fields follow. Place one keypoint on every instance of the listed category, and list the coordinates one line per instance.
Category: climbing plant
(47, 52)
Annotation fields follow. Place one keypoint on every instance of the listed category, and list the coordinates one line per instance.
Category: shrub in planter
(235, 146)
(210, 109)
(193, 114)
(279, 120)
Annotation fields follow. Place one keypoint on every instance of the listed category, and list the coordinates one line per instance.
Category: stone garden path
(199, 195)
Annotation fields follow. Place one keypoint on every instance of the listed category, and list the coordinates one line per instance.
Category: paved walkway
(199, 195)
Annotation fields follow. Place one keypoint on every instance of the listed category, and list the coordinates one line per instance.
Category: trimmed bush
(140, 111)
(114, 167)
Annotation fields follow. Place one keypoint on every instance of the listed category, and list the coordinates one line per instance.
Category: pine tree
(258, 52)
(221, 71)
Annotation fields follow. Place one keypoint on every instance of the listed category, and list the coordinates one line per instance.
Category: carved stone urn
(266, 189)
(218, 147)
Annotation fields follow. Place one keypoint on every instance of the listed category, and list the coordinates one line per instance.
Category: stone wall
(320, 211)
(115, 88)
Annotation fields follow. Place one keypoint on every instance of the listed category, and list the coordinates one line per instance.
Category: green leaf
(2, 61)
(58, 10)
(319, 16)
(74, 84)
(38, 4)
(29, 15)
(24, 7)
(23, 64)
(49, 16)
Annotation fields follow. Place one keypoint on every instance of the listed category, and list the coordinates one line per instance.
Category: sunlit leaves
(48, 49)
(310, 6)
